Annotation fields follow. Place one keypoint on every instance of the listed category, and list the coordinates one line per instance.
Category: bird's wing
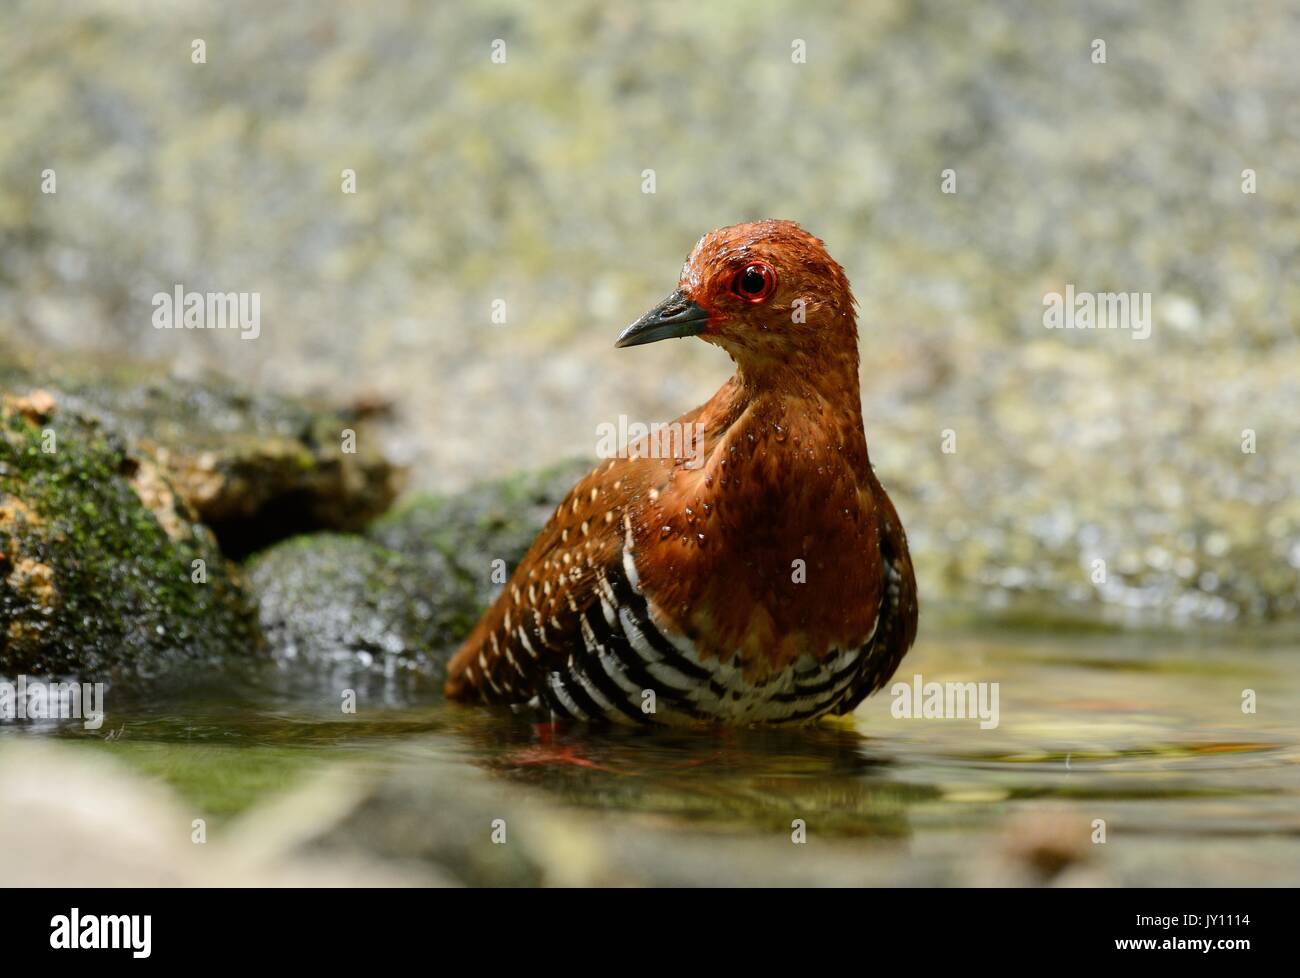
(897, 616)
(543, 618)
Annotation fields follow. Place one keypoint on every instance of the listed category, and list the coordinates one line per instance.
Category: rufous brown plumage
(760, 576)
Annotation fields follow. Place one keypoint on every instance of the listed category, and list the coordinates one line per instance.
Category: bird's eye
(755, 282)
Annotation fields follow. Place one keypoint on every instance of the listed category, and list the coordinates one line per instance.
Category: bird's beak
(675, 316)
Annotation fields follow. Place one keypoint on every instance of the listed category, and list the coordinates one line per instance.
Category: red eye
(755, 282)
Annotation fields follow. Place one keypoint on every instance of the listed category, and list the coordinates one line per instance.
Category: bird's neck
(784, 455)
(798, 385)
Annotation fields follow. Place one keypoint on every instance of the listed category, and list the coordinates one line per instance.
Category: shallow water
(1146, 733)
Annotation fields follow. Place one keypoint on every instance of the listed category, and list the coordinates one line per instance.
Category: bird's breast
(763, 557)
(631, 665)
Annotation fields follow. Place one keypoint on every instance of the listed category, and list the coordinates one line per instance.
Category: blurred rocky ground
(522, 181)
(448, 824)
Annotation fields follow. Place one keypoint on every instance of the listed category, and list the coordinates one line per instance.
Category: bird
(760, 575)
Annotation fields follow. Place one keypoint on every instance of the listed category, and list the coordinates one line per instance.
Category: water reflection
(1146, 734)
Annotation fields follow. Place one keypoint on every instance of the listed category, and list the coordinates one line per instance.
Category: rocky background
(522, 181)
(183, 453)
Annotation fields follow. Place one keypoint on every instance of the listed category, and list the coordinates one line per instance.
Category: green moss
(256, 466)
(91, 582)
(218, 781)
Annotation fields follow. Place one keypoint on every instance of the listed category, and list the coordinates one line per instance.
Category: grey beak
(675, 316)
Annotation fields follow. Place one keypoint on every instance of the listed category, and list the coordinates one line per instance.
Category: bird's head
(766, 292)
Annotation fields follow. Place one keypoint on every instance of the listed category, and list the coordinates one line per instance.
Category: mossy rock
(402, 597)
(470, 530)
(255, 467)
(339, 601)
(104, 570)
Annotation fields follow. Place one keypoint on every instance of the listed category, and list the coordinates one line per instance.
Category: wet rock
(496, 521)
(401, 598)
(330, 600)
(105, 571)
(255, 467)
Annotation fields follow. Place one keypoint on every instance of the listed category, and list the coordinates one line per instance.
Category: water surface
(1145, 733)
